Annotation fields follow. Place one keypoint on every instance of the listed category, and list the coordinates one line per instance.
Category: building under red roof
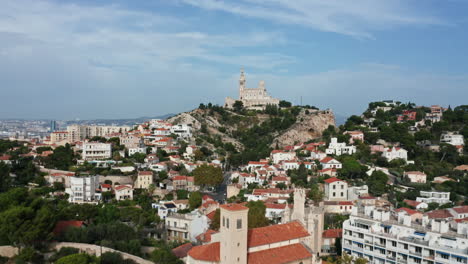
(206, 237)
(279, 255)
(182, 250)
(234, 207)
(209, 252)
(332, 179)
(332, 233)
(61, 226)
(461, 209)
(275, 233)
(407, 210)
(438, 214)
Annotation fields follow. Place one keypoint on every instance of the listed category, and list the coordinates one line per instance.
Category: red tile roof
(61, 226)
(234, 207)
(412, 202)
(209, 252)
(182, 250)
(279, 255)
(121, 187)
(333, 179)
(145, 173)
(206, 237)
(326, 159)
(275, 233)
(211, 215)
(107, 186)
(407, 210)
(332, 233)
(275, 206)
(461, 209)
(345, 203)
(442, 213)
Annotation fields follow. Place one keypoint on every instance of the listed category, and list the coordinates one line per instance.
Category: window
(175, 224)
(239, 223)
(342, 194)
(227, 223)
(342, 186)
(334, 187)
(224, 221)
(334, 194)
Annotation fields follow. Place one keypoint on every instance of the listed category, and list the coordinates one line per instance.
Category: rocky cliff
(309, 125)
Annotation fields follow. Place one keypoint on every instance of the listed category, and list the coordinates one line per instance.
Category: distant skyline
(99, 59)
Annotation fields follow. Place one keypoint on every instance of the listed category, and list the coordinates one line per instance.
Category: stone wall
(8, 251)
(96, 250)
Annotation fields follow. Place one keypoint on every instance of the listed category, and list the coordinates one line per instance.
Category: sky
(89, 59)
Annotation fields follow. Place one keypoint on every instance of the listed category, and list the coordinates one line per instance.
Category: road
(219, 194)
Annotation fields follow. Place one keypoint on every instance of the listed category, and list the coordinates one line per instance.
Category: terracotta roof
(105, 185)
(145, 173)
(211, 215)
(345, 203)
(332, 233)
(234, 207)
(442, 213)
(407, 210)
(279, 255)
(209, 252)
(412, 202)
(61, 226)
(275, 206)
(206, 237)
(462, 168)
(326, 159)
(275, 233)
(5, 157)
(207, 197)
(182, 250)
(121, 187)
(461, 209)
(279, 178)
(333, 179)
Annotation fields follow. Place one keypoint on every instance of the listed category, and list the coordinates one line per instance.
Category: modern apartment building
(83, 189)
(81, 132)
(387, 236)
(96, 151)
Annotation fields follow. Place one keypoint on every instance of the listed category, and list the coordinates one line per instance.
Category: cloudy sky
(100, 59)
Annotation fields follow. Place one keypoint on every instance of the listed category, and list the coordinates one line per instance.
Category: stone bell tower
(299, 205)
(241, 84)
(233, 231)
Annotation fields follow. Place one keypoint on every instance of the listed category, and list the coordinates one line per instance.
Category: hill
(243, 135)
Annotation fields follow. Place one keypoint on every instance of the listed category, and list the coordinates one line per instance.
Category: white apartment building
(186, 226)
(434, 197)
(132, 151)
(335, 148)
(395, 153)
(355, 191)
(452, 139)
(383, 236)
(279, 155)
(96, 151)
(123, 192)
(81, 132)
(183, 131)
(83, 189)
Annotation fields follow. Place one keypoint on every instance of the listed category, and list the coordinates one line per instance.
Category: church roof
(279, 255)
(209, 252)
(275, 233)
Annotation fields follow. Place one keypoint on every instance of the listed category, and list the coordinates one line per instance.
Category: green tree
(5, 179)
(238, 106)
(256, 216)
(208, 175)
(195, 200)
(377, 183)
(80, 258)
(214, 225)
(284, 103)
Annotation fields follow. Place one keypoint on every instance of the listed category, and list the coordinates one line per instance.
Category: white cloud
(356, 18)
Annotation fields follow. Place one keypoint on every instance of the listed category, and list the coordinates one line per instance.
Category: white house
(336, 189)
(335, 148)
(355, 135)
(330, 163)
(279, 155)
(355, 191)
(452, 139)
(182, 227)
(416, 176)
(317, 155)
(132, 151)
(123, 192)
(395, 153)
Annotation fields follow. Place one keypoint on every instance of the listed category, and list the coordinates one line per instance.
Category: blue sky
(117, 59)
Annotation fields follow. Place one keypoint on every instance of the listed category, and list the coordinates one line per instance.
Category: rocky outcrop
(310, 125)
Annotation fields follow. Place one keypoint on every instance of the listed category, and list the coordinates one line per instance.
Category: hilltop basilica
(252, 98)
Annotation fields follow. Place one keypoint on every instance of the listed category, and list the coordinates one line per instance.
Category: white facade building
(335, 148)
(278, 155)
(83, 189)
(355, 191)
(395, 153)
(96, 151)
(186, 226)
(452, 139)
(132, 151)
(434, 197)
(336, 189)
(183, 131)
(386, 237)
